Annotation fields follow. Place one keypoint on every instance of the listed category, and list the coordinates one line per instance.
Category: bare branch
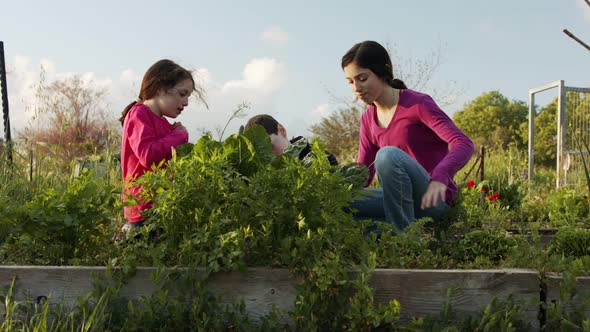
(571, 35)
(239, 112)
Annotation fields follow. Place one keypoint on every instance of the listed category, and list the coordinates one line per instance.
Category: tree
(491, 119)
(545, 148)
(340, 133)
(70, 120)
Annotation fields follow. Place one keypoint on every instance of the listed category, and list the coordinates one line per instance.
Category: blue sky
(284, 57)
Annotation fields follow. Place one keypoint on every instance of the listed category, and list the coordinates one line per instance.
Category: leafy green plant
(227, 206)
(584, 159)
(571, 241)
(566, 207)
(67, 227)
(484, 244)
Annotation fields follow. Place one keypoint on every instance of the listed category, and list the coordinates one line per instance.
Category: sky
(283, 58)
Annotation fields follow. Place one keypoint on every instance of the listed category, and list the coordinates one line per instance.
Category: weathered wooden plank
(260, 288)
(577, 299)
(423, 293)
(420, 292)
(57, 283)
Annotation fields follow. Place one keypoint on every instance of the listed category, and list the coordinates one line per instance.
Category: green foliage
(496, 316)
(566, 207)
(330, 291)
(56, 228)
(415, 248)
(571, 241)
(484, 244)
(228, 205)
(491, 117)
(545, 148)
(184, 149)
(194, 308)
(87, 314)
(487, 203)
(585, 160)
(340, 133)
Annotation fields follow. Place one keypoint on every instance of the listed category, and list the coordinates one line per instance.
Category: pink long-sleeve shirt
(421, 129)
(147, 140)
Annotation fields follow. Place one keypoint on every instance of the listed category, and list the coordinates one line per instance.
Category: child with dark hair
(280, 142)
(148, 137)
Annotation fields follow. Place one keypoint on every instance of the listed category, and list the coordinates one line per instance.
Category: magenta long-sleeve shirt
(147, 139)
(421, 129)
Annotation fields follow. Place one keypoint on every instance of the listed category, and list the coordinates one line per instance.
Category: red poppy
(470, 184)
(483, 190)
(494, 197)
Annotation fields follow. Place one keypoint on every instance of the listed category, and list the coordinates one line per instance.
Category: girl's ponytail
(398, 84)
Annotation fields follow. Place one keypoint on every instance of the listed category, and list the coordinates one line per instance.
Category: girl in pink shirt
(412, 145)
(148, 137)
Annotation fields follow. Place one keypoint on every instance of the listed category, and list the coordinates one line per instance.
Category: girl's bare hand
(435, 193)
(178, 126)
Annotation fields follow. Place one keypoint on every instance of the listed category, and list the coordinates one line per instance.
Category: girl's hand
(178, 126)
(435, 193)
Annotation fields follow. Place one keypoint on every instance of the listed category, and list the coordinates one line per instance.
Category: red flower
(483, 190)
(494, 197)
(470, 184)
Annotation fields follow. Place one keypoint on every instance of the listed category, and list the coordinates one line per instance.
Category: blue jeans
(403, 183)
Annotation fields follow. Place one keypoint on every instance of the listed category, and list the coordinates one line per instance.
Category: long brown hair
(163, 75)
(371, 55)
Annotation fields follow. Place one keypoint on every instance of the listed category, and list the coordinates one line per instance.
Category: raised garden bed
(421, 293)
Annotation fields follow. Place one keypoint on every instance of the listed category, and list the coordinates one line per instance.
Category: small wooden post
(480, 171)
(31, 165)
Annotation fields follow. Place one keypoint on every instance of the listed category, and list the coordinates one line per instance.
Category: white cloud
(320, 111)
(275, 35)
(24, 77)
(261, 80)
(128, 75)
(300, 124)
(261, 76)
(202, 77)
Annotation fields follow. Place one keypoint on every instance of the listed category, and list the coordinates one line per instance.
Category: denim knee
(386, 158)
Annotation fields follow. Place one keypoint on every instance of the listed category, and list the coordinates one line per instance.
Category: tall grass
(586, 151)
(50, 209)
(509, 166)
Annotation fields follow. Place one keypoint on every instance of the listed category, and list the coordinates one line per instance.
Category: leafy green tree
(545, 148)
(492, 119)
(340, 133)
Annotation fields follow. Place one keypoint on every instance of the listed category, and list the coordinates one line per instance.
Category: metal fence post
(5, 113)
